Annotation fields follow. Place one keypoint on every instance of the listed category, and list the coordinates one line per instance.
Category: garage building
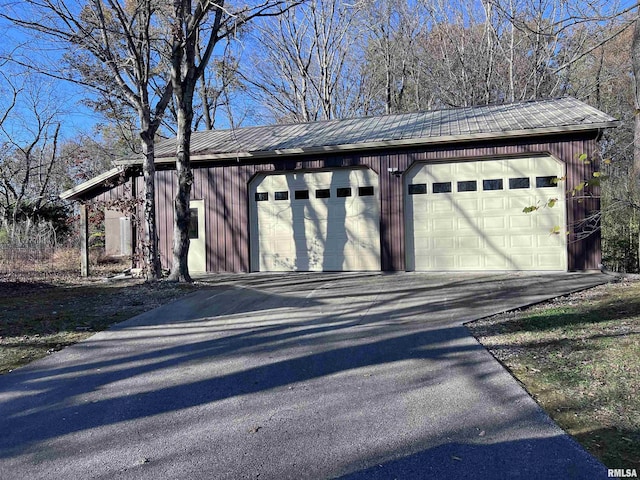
(442, 190)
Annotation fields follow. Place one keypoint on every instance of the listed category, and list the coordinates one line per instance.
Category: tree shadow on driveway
(363, 365)
(511, 459)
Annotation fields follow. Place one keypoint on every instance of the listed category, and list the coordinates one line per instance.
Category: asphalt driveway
(290, 377)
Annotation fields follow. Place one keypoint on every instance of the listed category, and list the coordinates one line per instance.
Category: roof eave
(413, 142)
(76, 192)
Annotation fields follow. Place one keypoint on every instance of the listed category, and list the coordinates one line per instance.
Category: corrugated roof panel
(422, 126)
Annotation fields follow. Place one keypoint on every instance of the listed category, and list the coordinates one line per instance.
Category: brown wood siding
(224, 188)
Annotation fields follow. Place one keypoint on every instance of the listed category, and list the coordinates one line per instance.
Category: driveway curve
(294, 376)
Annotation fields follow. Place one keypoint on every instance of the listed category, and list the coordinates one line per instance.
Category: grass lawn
(579, 357)
(39, 316)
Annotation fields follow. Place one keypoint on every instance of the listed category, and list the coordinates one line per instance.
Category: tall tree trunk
(182, 212)
(635, 63)
(204, 94)
(184, 78)
(150, 250)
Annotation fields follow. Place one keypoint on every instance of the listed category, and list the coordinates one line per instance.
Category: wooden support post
(133, 216)
(84, 240)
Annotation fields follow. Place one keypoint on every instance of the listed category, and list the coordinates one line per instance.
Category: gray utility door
(315, 221)
(468, 215)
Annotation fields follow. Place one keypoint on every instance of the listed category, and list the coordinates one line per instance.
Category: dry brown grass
(579, 357)
(46, 306)
(40, 317)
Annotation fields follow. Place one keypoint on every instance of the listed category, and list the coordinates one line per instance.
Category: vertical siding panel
(225, 219)
(214, 218)
(164, 195)
(160, 216)
(385, 220)
(396, 221)
(240, 225)
(228, 217)
(196, 189)
(244, 245)
(208, 199)
(172, 188)
(224, 187)
(235, 224)
(392, 213)
(169, 203)
(219, 219)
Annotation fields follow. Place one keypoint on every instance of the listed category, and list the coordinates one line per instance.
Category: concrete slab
(294, 376)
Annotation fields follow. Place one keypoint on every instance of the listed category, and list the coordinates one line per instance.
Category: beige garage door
(469, 215)
(315, 221)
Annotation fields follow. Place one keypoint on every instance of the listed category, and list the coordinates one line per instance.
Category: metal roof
(452, 125)
(436, 126)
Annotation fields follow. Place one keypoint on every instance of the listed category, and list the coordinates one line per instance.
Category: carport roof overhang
(99, 182)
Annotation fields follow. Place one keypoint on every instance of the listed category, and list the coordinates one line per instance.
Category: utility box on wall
(117, 229)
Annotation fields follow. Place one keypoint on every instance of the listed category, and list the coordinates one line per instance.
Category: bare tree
(115, 48)
(191, 51)
(29, 158)
(306, 65)
(395, 59)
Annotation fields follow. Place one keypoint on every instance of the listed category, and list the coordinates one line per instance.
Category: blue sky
(58, 95)
(65, 96)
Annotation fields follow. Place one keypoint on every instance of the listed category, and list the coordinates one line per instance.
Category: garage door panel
(485, 229)
(465, 169)
(522, 241)
(546, 222)
(468, 243)
(493, 202)
(465, 224)
(442, 206)
(524, 261)
(470, 262)
(440, 224)
(491, 223)
(549, 240)
(326, 233)
(498, 262)
(467, 205)
(495, 241)
(444, 262)
(549, 260)
(521, 221)
(445, 243)
(519, 203)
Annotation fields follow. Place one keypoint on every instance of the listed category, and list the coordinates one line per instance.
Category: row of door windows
(417, 188)
(487, 185)
(319, 193)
